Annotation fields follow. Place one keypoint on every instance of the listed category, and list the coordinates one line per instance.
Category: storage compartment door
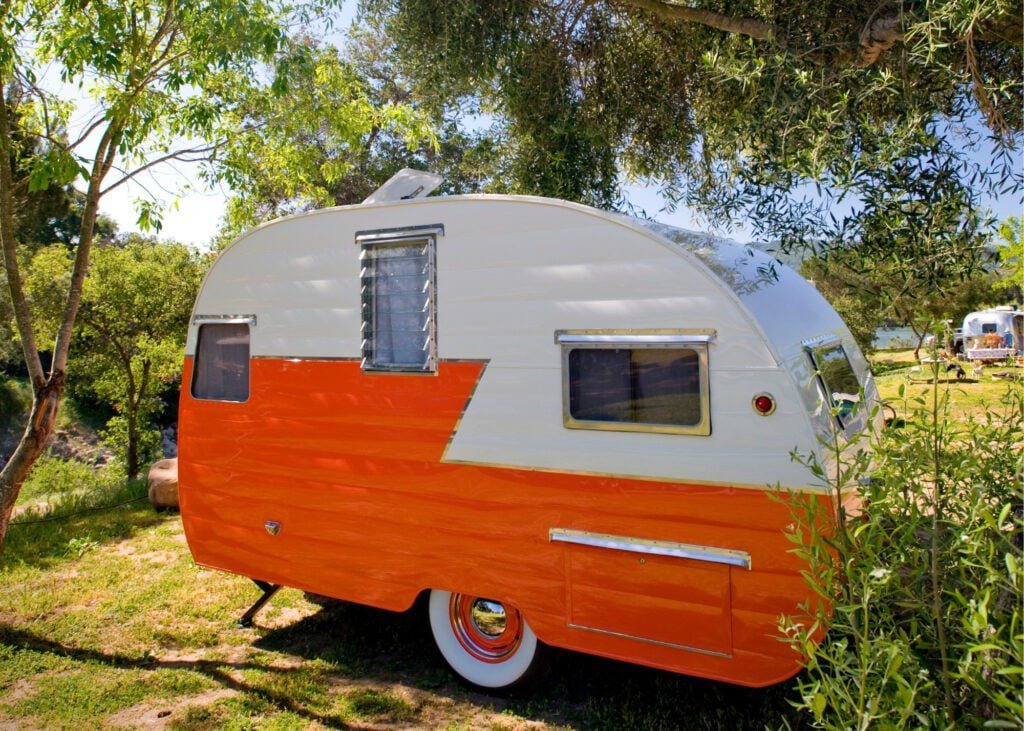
(669, 600)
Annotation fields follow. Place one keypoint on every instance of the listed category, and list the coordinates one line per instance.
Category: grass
(106, 622)
(969, 398)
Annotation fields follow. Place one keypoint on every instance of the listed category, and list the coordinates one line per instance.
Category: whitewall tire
(487, 643)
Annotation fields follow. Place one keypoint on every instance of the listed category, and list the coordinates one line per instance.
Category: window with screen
(636, 387)
(221, 368)
(838, 379)
(398, 301)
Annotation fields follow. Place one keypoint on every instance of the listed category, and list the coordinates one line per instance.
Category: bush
(53, 479)
(148, 441)
(921, 593)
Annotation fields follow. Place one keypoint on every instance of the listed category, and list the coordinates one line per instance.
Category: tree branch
(879, 35)
(668, 10)
(106, 152)
(176, 155)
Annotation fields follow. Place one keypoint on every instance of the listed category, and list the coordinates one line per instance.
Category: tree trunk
(132, 455)
(42, 419)
(920, 337)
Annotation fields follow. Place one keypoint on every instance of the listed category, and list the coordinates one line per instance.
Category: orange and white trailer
(563, 425)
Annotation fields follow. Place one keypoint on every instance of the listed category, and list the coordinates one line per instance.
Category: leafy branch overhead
(734, 108)
(158, 72)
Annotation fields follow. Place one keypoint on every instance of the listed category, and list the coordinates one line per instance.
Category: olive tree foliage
(158, 71)
(1010, 247)
(915, 252)
(360, 125)
(734, 107)
(130, 332)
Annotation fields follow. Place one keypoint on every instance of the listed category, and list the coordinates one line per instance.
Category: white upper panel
(512, 271)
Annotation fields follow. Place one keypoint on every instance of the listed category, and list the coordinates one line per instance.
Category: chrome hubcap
(489, 617)
(486, 629)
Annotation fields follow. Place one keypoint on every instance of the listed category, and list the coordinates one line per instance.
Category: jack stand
(268, 593)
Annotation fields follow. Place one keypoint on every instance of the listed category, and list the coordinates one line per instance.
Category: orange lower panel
(350, 465)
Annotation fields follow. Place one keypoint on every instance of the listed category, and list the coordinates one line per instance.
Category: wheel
(487, 643)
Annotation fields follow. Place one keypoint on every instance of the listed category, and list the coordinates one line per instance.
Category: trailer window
(221, 368)
(838, 379)
(637, 388)
(399, 319)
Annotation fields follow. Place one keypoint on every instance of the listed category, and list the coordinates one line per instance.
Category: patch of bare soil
(19, 690)
(233, 655)
(126, 548)
(162, 715)
(283, 617)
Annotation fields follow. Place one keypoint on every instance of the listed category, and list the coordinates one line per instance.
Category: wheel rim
(486, 629)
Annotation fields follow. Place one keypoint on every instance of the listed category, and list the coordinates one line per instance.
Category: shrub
(921, 593)
(53, 479)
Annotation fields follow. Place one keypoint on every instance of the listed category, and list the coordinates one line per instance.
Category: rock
(163, 483)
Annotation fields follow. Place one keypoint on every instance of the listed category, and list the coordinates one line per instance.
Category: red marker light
(764, 404)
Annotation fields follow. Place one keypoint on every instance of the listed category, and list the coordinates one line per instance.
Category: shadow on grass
(577, 689)
(42, 540)
(360, 644)
(216, 670)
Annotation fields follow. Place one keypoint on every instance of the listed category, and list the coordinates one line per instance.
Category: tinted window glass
(221, 369)
(398, 307)
(839, 379)
(635, 385)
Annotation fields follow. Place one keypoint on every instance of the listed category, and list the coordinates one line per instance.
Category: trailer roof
(787, 307)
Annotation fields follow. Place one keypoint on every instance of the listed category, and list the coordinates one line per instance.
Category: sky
(193, 217)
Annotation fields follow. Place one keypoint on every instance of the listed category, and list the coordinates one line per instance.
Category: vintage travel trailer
(563, 426)
(996, 334)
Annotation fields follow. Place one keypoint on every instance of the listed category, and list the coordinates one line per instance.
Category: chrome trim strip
(674, 646)
(634, 337)
(224, 320)
(399, 234)
(693, 551)
(820, 340)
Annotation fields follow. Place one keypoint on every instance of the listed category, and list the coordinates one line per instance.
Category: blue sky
(193, 216)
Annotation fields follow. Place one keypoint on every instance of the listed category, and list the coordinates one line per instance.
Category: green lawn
(106, 622)
(972, 397)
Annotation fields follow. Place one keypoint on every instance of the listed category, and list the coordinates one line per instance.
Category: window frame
(200, 321)
(697, 340)
(397, 237)
(823, 388)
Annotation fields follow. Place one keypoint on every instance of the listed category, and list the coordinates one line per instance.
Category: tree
(733, 107)
(359, 126)
(41, 216)
(1010, 248)
(917, 252)
(131, 328)
(159, 72)
(868, 298)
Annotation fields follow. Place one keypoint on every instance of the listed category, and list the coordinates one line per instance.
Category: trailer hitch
(269, 590)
